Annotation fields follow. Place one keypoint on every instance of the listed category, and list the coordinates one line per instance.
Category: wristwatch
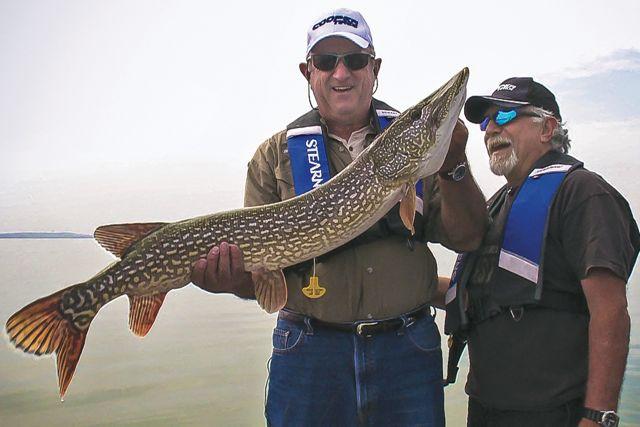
(457, 173)
(604, 418)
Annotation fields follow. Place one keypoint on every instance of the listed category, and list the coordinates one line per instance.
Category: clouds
(176, 96)
(600, 102)
(618, 60)
(606, 89)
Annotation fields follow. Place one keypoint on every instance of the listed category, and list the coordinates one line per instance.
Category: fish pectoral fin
(117, 238)
(143, 310)
(408, 207)
(40, 329)
(271, 289)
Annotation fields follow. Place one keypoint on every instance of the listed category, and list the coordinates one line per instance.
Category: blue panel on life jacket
(525, 229)
(309, 162)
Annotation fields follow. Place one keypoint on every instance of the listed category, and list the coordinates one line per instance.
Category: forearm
(608, 350)
(464, 213)
(437, 299)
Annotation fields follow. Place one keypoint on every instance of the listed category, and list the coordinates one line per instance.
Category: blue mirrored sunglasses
(502, 117)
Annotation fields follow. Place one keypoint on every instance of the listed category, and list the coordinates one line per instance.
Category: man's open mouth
(495, 146)
(342, 88)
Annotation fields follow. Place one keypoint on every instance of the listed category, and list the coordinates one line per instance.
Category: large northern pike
(156, 258)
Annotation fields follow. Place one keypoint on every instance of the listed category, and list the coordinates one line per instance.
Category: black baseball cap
(512, 93)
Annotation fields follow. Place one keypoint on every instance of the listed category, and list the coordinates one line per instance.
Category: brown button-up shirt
(378, 279)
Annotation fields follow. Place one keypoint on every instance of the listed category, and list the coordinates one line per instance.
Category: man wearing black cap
(543, 302)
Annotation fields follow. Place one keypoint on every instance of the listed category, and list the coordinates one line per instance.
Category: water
(203, 363)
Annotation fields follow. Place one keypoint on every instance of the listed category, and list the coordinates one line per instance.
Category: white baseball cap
(345, 23)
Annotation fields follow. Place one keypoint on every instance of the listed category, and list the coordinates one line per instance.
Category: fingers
(461, 127)
(197, 272)
(457, 147)
(464, 127)
(211, 272)
(460, 133)
(215, 272)
(224, 263)
(237, 260)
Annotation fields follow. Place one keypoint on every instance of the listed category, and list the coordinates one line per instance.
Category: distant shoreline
(44, 235)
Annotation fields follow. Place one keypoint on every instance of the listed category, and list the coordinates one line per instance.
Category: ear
(548, 127)
(304, 69)
(376, 66)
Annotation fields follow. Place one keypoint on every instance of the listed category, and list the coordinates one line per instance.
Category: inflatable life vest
(517, 280)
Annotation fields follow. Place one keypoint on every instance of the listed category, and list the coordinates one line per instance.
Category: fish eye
(416, 114)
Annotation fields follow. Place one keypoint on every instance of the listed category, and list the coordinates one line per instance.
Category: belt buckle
(359, 330)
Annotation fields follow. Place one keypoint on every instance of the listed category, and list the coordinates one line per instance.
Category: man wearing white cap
(356, 343)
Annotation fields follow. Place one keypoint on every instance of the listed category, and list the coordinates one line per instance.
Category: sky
(132, 111)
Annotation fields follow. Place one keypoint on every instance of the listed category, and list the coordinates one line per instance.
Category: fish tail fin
(40, 329)
(143, 311)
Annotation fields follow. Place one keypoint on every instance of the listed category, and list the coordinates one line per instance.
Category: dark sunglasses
(329, 61)
(501, 117)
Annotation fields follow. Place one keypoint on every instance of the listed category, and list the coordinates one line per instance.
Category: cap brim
(476, 106)
(353, 37)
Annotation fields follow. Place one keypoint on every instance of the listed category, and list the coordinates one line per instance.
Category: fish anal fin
(408, 208)
(117, 238)
(271, 289)
(143, 310)
(40, 329)
(68, 355)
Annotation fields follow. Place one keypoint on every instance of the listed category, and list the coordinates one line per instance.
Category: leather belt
(364, 328)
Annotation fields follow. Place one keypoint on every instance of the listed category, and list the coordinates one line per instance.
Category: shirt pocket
(284, 181)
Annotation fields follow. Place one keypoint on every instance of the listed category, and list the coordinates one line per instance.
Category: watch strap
(605, 418)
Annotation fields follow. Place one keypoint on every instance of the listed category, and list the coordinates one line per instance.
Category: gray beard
(503, 165)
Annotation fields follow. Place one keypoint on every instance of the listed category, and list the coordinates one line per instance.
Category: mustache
(497, 141)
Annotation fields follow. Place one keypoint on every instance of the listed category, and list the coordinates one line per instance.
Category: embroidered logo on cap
(506, 87)
(337, 20)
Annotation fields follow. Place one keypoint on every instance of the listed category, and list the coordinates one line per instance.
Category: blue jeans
(325, 377)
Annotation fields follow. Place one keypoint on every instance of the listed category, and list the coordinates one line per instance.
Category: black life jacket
(517, 280)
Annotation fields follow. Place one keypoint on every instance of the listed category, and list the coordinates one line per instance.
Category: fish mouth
(453, 95)
(459, 89)
(425, 131)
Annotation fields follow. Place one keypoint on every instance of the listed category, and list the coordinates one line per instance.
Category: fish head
(415, 144)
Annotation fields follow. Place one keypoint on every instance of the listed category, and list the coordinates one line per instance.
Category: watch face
(609, 419)
(459, 172)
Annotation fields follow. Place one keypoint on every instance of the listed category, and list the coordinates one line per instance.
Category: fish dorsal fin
(271, 289)
(117, 238)
(143, 310)
(408, 207)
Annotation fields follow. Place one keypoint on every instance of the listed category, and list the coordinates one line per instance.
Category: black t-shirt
(541, 360)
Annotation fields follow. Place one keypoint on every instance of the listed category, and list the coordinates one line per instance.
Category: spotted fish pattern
(155, 258)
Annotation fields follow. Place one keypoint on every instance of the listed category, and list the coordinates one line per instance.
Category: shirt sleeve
(434, 230)
(597, 229)
(261, 185)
